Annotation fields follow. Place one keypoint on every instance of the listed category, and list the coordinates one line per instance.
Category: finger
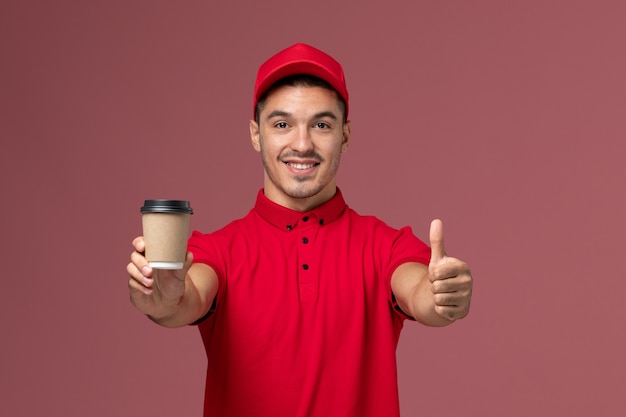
(441, 286)
(141, 264)
(137, 276)
(181, 273)
(438, 252)
(453, 298)
(135, 286)
(451, 268)
(139, 244)
(188, 261)
(452, 313)
(449, 299)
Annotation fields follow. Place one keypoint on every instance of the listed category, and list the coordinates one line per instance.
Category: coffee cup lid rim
(166, 206)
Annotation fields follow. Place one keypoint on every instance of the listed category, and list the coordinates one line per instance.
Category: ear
(346, 136)
(254, 135)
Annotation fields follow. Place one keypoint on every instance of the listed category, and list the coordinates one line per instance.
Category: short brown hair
(299, 80)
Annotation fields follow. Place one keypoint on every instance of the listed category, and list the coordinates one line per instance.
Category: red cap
(300, 59)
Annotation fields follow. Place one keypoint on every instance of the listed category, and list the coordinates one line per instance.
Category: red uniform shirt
(304, 322)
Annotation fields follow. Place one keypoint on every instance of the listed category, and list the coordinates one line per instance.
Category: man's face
(301, 136)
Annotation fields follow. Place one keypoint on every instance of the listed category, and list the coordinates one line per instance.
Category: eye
(281, 125)
(322, 125)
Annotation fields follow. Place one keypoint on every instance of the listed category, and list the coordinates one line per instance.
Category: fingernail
(147, 281)
(145, 270)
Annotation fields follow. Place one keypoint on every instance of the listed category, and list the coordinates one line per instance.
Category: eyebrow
(278, 113)
(327, 113)
(282, 113)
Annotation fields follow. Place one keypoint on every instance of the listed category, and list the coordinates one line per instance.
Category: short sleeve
(406, 247)
(207, 250)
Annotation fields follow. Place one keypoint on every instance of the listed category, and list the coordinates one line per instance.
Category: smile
(299, 166)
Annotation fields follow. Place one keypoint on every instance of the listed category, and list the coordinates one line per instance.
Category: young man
(301, 302)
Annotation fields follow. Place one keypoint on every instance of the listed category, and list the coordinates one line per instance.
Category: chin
(302, 194)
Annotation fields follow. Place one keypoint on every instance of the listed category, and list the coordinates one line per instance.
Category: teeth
(301, 166)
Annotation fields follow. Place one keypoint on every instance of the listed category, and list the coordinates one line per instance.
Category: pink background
(505, 119)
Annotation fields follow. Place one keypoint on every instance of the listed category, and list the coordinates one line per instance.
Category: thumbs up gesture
(450, 278)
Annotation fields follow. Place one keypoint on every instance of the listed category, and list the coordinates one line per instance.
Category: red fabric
(287, 340)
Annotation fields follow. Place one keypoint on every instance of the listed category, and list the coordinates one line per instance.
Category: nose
(302, 141)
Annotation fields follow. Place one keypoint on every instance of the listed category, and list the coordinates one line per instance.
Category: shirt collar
(287, 219)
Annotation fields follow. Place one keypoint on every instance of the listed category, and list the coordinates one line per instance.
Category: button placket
(307, 230)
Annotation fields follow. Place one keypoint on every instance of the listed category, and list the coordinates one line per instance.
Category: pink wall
(506, 120)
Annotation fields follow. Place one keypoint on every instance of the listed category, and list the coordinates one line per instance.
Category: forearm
(176, 313)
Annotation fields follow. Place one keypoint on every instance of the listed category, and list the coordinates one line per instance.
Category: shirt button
(305, 219)
(305, 240)
(305, 266)
(321, 222)
(289, 227)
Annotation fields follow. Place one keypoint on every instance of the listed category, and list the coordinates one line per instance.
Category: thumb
(181, 273)
(188, 262)
(438, 252)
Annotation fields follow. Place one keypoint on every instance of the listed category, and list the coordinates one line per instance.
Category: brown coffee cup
(166, 231)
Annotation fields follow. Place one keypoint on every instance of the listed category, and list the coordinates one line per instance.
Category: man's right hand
(155, 292)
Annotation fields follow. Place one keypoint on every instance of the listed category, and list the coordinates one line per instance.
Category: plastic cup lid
(166, 206)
